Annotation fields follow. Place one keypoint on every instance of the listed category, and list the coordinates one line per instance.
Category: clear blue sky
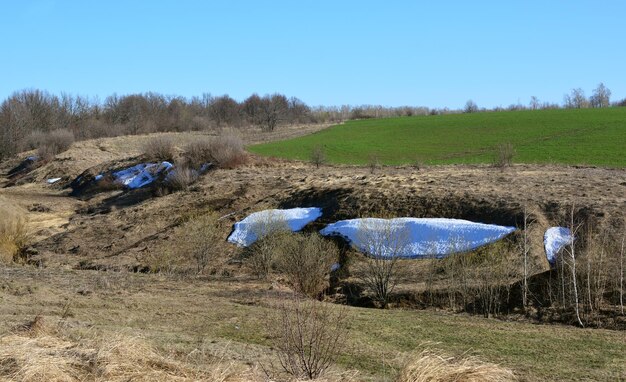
(436, 53)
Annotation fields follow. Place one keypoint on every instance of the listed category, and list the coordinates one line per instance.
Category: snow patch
(260, 223)
(140, 175)
(415, 237)
(554, 240)
(53, 180)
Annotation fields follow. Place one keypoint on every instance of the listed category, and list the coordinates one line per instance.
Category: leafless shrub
(432, 366)
(504, 155)
(318, 156)
(226, 150)
(384, 242)
(310, 336)
(201, 236)
(272, 232)
(181, 177)
(306, 260)
(14, 234)
(54, 143)
(199, 152)
(159, 149)
(373, 162)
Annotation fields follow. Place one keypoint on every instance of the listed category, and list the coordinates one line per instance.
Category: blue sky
(437, 53)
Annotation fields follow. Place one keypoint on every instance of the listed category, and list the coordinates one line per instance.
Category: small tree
(470, 107)
(504, 155)
(310, 336)
(385, 242)
(200, 238)
(534, 103)
(318, 156)
(306, 260)
(601, 97)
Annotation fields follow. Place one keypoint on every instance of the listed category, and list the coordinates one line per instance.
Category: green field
(574, 136)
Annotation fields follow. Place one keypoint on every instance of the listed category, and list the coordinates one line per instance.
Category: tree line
(38, 112)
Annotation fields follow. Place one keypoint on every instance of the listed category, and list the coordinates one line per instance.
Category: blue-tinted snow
(141, 174)
(554, 240)
(246, 231)
(415, 237)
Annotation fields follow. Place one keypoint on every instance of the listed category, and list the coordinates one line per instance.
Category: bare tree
(385, 241)
(621, 274)
(534, 103)
(318, 156)
(601, 97)
(470, 107)
(571, 260)
(576, 99)
(526, 252)
(310, 336)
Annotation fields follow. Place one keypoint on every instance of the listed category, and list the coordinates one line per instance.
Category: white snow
(141, 174)
(261, 223)
(415, 237)
(53, 180)
(554, 240)
(98, 177)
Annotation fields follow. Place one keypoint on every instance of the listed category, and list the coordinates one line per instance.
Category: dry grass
(13, 231)
(182, 177)
(430, 366)
(227, 150)
(160, 148)
(38, 352)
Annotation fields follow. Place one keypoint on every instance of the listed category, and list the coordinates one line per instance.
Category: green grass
(585, 136)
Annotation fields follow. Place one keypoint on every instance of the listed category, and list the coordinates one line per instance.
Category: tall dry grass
(431, 366)
(13, 231)
(39, 352)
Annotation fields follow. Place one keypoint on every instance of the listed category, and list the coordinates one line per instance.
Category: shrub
(429, 366)
(198, 152)
(310, 336)
(373, 162)
(54, 143)
(504, 155)
(181, 177)
(201, 236)
(159, 149)
(272, 233)
(13, 233)
(318, 156)
(306, 261)
(226, 150)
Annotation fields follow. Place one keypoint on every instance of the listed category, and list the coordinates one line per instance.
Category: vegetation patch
(571, 136)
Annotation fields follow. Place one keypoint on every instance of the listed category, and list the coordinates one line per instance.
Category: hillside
(573, 136)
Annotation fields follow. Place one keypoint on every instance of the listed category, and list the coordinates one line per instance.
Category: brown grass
(13, 231)
(45, 355)
(182, 177)
(431, 366)
(226, 150)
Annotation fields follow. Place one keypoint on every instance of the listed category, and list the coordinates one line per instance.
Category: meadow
(567, 136)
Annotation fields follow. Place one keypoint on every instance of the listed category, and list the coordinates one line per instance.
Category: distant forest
(30, 113)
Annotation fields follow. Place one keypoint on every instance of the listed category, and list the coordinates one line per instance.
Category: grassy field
(577, 136)
(180, 315)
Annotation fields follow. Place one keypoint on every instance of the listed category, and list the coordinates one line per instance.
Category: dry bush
(373, 162)
(13, 232)
(159, 149)
(181, 177)
(306, 260)
(54, 143)
(198, 152)
(271, 232)
(429, 366)
(504, 155)
(47, 355)
(318, 156)
(310, 336)
(384, 242)
(199, 239)
(226, 150)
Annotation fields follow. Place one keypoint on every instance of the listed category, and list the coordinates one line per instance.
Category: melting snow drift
(257, 224)
(141, 174)
(554, 240)
(416, 237)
